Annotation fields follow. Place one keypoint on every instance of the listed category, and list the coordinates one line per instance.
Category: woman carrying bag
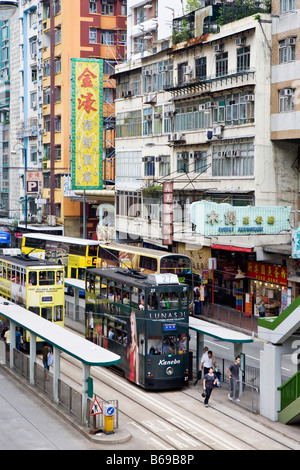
(209, 381)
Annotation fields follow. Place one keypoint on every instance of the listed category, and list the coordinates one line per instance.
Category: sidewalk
(287, 434)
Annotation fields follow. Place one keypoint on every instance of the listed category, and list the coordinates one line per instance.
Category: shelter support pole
(200, 346)
(12, 345)
(76, 305)
(85, 376)
(270, 380)
(56, 374)
(32, 358)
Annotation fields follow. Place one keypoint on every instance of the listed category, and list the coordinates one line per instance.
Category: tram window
(35, 310)
(73, 273)
(1, 269)
(149, 264)
(110, 290)
(152, 301)
(18, 276)
(8, 272)
(168, 300)
(92, 250)
(58, 313)
(118, 294)
(126, 295)
(182, 343)
(46, 312)
(23, 277)
(103, 288)
(184, 299)
(46, 278)
(59, 277)
(169, 345)
(13, 274)
(96, 283)
(154, 345)
(4, 271)
(32, 278)
(135, 297)
(81, 274)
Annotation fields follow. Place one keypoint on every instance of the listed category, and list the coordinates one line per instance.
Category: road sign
(96, 408)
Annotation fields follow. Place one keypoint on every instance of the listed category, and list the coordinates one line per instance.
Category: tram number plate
(47, 298)
(169, 326)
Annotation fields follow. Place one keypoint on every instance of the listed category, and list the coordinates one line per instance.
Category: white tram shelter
(61, 339)
(219, 332)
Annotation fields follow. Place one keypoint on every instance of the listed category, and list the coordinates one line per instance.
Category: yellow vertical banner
(87, 124)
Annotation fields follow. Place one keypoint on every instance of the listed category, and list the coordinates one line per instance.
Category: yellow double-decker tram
(37, 285)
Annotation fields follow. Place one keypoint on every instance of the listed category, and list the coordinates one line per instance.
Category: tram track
(182, 429)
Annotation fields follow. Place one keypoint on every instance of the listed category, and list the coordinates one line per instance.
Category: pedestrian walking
(233, 372)
(209, 381)
(45, 351)
(207, 362)
(262, 309)
(19, 339)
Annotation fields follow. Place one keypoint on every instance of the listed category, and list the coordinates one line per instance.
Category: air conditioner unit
(209, 134)
(175, 137)
(146, 73)
(146, 159)
(229, 153)
(157, 115)
(219, 48)
(148, 99)
(33, 105)
(217, 131)
(170, 114)
(201, 107)
(287, 92)
(187, 70)
(149, 117)
(240, 41)
(249, 97)
(210, 104)
(236, 153)
(158, 159)
(290, 41)
(165, 68)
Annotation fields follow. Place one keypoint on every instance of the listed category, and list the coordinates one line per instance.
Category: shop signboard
(267, 272)
(211, 218)
(87, 124)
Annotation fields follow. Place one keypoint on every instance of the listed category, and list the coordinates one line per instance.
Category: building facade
(198, 115)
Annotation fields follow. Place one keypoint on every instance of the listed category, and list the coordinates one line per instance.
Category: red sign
(267, 272)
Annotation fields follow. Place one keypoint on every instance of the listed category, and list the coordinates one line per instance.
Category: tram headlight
(169, 371)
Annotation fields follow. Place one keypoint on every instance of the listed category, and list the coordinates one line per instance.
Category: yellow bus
(34, 284)
(76, 254)
(146, 260)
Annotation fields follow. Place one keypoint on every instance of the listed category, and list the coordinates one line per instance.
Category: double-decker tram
(145, 320)
(34, 284)
(147, 260)
(76, 254)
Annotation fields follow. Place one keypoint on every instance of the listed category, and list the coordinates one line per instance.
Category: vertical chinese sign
(167, 225)
(87, 124)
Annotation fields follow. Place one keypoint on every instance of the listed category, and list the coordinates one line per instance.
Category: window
(57, 63)
(57, 94)
(33, 153)
(201, 68)
(158, 120)
(47, 68)
(129, 124)
(47, 96)
(57, 181)
(233, 160)
(286, 100)
(56, 7)
(222, 64)
(57, 123)
(147, 121)
(93, 6)
(164, 165)
(124, 8)
(107, 8)
(200, 162)
(287, 5)
(93, 35)
(149, 168)
(57, 36)
(58, 152)
(141, 15)
(33, 100)
(107, 37)
(287, 49)
(47, 124)
(181, 70)
(243, 58)
(183, 162)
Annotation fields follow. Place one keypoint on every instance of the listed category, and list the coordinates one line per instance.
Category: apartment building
(44, 37)
(285, 105)
(198, 115)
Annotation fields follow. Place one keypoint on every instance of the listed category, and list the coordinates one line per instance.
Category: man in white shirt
(207, 361)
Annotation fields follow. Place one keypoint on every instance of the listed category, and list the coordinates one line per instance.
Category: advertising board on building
(211, 218)
(87, 124)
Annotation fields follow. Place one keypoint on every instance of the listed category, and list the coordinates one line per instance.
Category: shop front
(269, 283)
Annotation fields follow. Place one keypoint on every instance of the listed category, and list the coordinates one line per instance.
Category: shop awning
(215, 246)
(4, 237)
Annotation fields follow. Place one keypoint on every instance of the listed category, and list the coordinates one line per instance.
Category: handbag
(49, 359)
(203, 395)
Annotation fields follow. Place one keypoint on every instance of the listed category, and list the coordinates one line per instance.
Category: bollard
(108, 412)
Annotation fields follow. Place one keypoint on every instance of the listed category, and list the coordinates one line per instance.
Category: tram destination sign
(211, 218)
